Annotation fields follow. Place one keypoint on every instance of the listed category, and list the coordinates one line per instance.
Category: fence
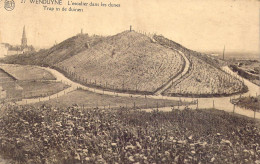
(235, 102)
(128, 100)
(137, 105)
(131, 101)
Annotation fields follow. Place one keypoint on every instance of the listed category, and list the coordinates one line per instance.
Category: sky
(203, 25)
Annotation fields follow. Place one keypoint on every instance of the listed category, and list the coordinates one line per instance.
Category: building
(3, 48)
(24, 40)
(9, 88)
(24, 47)
(7, 49)
(20, 49)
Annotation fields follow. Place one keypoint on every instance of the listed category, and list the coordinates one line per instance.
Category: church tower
(24, 39)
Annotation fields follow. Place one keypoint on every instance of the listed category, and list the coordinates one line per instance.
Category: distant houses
(7, 49)
(3, 49)
(215, 55)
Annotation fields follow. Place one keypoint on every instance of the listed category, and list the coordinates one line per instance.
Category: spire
(24, 34)
(24, 39)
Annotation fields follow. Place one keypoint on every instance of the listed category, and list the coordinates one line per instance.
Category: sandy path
(185, 70)
(222, 103)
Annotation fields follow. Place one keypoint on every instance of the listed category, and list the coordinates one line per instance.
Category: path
(40, 99)
(222, 103)
(185, 70)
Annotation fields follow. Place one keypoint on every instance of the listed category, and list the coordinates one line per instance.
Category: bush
(71, 135)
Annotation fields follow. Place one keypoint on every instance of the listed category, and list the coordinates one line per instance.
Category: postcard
(137, 81)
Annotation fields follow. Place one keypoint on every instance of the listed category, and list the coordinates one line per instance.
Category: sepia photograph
(129, 82)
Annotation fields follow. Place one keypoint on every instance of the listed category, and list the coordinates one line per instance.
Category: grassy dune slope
(205, 79)
(211, 60)
(57, 53)
(205, 76)
(128, 60)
